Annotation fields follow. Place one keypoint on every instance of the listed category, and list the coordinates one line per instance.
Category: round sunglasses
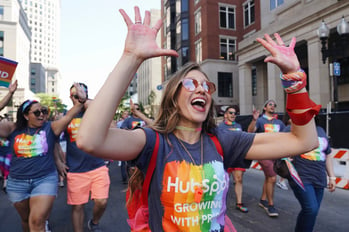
(192, 84)
(38, 112)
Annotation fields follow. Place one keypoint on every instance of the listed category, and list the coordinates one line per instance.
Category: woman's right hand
(141, 37)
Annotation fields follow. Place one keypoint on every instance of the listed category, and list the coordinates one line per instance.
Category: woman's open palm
(141, 37)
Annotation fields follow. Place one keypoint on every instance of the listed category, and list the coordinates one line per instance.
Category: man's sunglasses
(38, 112)
(271, 104)
(192, 84)
(75, 96)
(231, 112)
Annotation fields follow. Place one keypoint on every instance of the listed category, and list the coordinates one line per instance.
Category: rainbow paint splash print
(318, 153)
(271, 127)
(73, 128)
(181, 211)
(28, 146)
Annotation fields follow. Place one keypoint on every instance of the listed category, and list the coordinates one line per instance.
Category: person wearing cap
(229, 123)
(268, 122)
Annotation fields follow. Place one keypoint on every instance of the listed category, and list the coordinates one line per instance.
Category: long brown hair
(168, 118)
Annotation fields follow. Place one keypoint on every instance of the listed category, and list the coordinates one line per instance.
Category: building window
(185, 29)
(197, 22)
(178, 8)
(254, 80)
(1, 43)
(198, 51)
(275, 4)
(1, 12)
(185, 5)
(225, 84)
(185, 55)
(227, 48)
(227, 17)
(249, 15)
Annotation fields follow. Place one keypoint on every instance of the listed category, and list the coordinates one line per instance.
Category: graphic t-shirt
(131, 123)
(172, 204)
(32, 150)
(269, 124)
(311, 166)
(78, 160)
(233, 126)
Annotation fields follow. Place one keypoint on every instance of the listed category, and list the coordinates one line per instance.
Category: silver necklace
(198, 190)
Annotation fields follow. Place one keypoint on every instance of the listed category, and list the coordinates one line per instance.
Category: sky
(92, 40)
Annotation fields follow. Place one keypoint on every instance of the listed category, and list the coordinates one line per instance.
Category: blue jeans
(310, 201)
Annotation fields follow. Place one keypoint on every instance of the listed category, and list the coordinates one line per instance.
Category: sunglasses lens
(189, 84)
(37, 113)
(211, 87)
(44, 111)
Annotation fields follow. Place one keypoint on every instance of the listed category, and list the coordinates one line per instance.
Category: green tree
(151, 99)
(52, 102)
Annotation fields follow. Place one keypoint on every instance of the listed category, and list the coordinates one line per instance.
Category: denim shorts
(21, 189)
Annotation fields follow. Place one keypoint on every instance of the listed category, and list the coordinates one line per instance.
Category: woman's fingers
(279, 40)
(127, 19)
(138, 18)
(147, 18)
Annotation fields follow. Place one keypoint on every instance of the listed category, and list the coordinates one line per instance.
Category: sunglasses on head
(192, 84)
(38, 112)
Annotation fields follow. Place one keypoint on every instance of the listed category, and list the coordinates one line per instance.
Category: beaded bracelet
(293, 82)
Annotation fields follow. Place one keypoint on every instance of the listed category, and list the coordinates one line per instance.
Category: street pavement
(333, 214)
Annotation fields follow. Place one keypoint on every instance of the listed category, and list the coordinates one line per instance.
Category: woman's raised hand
(284, 57)
(141, 37)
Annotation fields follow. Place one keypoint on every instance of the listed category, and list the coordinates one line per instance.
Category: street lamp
(335, 50)
(324, 32)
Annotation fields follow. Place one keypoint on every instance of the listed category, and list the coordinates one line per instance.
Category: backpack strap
(217, 144)
(150, 171)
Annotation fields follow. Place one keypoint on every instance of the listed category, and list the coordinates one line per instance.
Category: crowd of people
(190, 169)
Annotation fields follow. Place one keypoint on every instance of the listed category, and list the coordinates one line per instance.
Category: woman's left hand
(284, 57)
(332, 185)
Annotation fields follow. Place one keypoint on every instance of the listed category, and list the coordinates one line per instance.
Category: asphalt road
(333, 214)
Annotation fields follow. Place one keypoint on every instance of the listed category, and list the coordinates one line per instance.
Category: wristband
(293, 82)
(301, 101)
(332, 178)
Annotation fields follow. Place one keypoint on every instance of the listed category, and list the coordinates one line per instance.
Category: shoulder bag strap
(150, 171)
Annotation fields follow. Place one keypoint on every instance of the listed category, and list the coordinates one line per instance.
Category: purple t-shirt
(172, 205)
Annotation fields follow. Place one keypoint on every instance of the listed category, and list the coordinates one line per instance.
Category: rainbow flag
(7, 69)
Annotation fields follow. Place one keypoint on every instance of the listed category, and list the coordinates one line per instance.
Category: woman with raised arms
(189, 185)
